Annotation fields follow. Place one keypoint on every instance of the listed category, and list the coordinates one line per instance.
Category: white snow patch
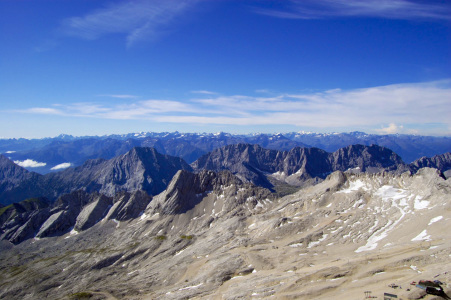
(117, 222)
(396, 197)
(296, 245)
(388, 192)
(179, 252)
(436, 219)
(312, 244)
(354, 186)
(420, 204)
(259, 204)
(422, 236)
(378, 235)
(279, 174)
(191, 287)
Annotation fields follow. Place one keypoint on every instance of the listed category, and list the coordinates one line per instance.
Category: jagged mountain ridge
(190, 146)
(298, 165)
(139, 169)
(441, 162)
(349, 234)
(146, 169)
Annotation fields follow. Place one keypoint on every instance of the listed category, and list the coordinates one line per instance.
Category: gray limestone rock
(64, 214)
(93, 212)
(128, 206)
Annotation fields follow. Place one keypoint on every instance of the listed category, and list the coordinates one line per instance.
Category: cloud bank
(390, 9)
(386, 109)
(29, 163)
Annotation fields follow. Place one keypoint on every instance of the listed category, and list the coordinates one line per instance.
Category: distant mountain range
(53, 154)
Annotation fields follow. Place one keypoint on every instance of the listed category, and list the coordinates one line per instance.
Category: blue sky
(87, 67)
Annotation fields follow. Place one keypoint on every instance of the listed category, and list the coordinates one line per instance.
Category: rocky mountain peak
(9, 171)
(365, 157)
(188, 189)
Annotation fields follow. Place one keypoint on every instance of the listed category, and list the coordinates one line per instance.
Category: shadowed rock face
(254, 164)
(128, 206)
(93, 213)
(64, 214)
(77, 210)
(11, 178)
(10, 173)
(441, 162)
(20, 221)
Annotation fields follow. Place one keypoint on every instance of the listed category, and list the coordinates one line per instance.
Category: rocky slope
(212, 236)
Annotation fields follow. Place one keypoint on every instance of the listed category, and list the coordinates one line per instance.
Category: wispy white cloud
(405, 107)
(29, 163)
(44, 110)
(121, 96)
(391, 9)
(204, 92)
(61, 166)
(136, 19)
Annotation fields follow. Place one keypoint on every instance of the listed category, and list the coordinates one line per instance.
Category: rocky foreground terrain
(213, 236)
